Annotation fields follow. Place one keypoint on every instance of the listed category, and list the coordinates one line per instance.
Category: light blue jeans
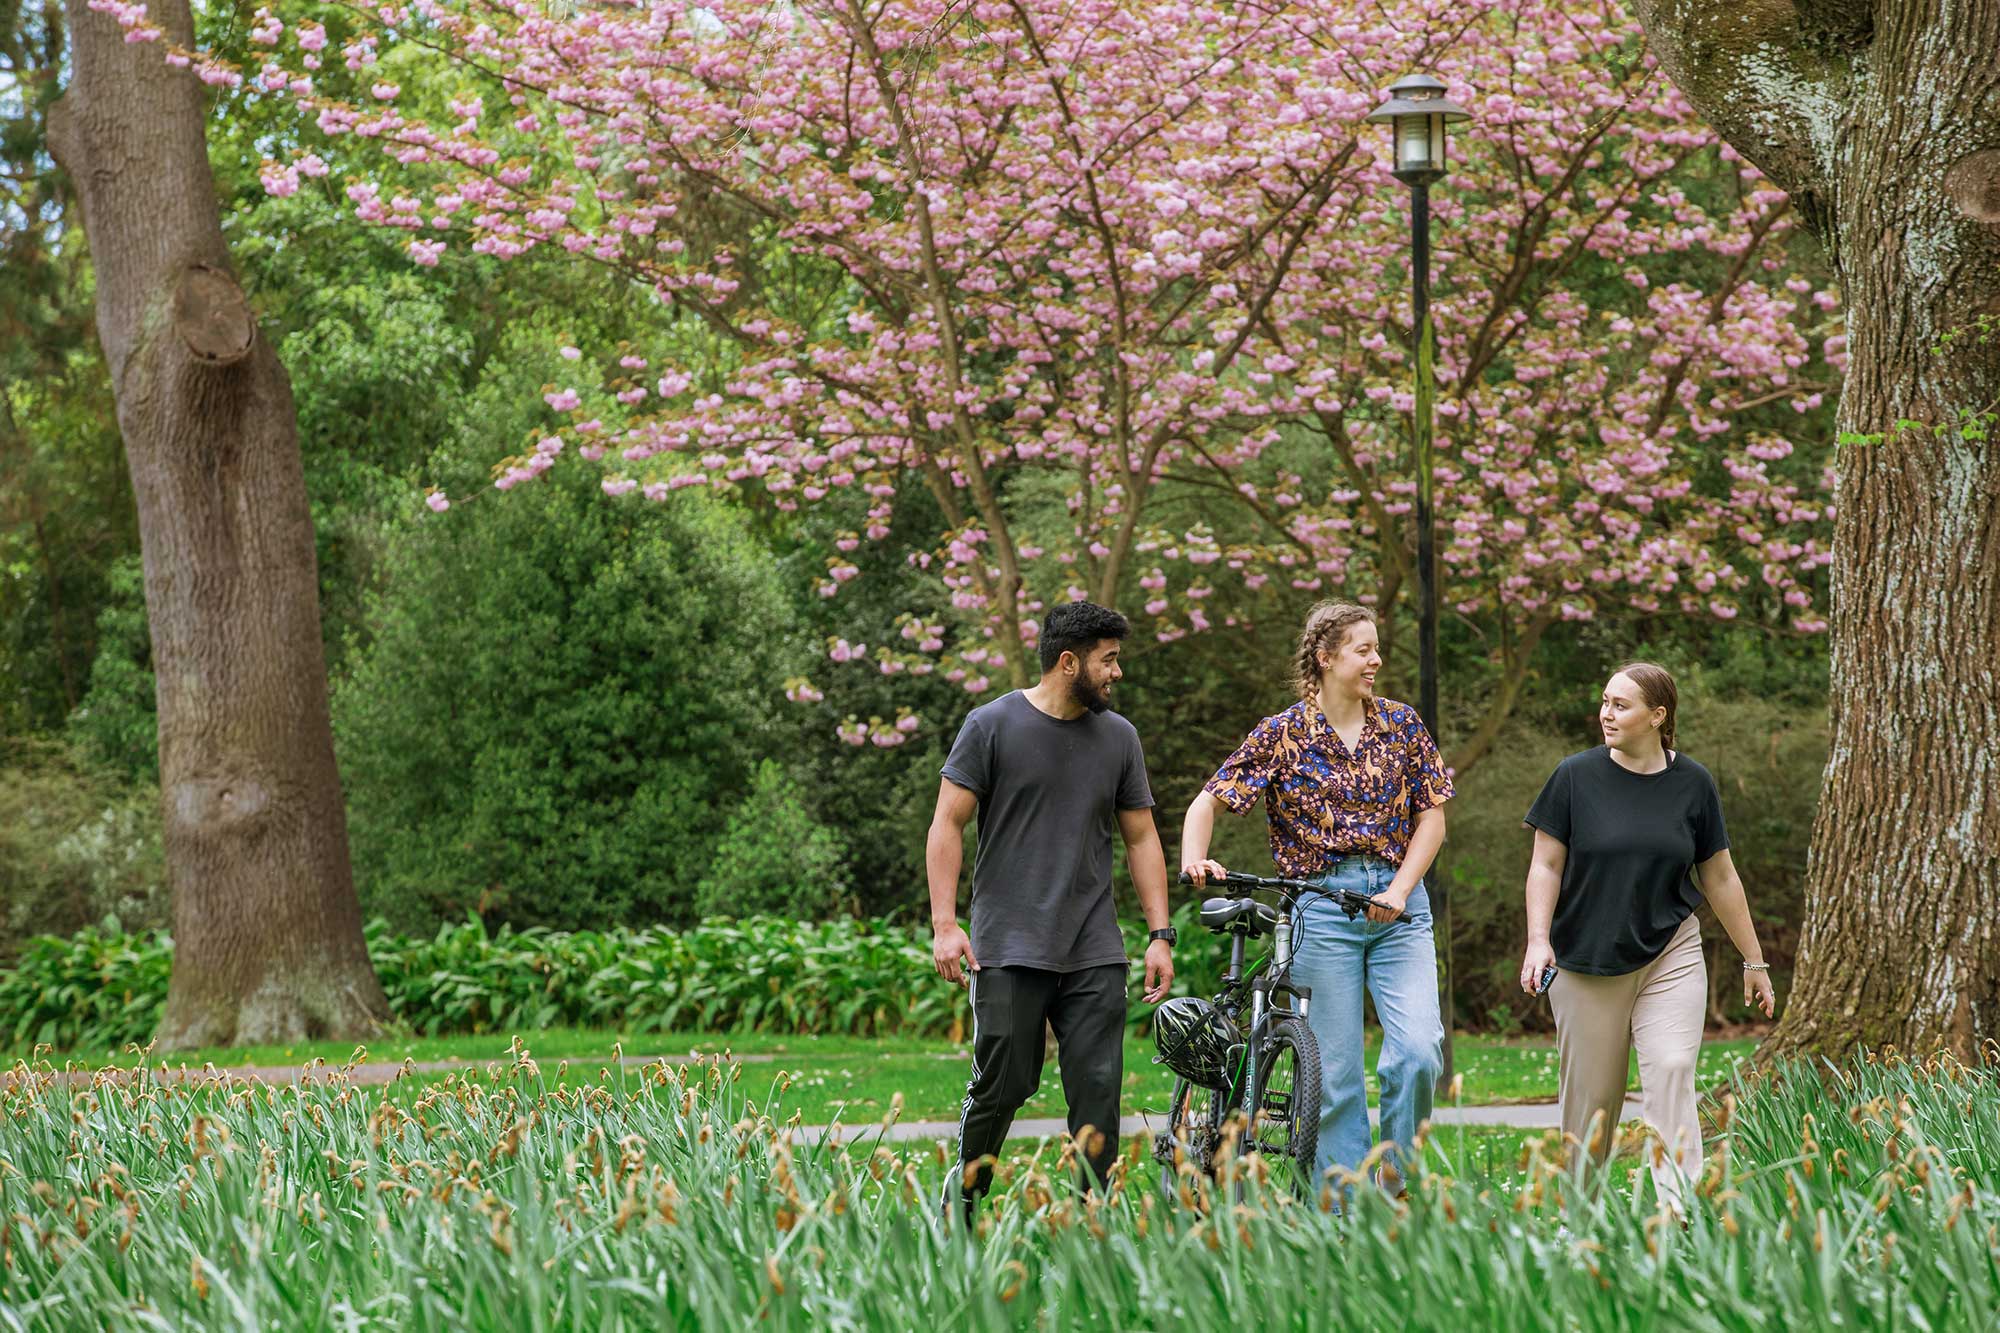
(1397, 964)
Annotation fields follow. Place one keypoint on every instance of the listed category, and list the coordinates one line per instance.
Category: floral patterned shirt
(1325, 801)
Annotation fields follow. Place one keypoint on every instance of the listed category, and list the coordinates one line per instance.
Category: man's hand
(948, 945)
(1159, 971)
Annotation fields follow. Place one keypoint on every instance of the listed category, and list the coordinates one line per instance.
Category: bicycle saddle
(1223, 915)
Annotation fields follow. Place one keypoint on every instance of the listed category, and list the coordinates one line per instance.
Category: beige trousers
(1659, 1010)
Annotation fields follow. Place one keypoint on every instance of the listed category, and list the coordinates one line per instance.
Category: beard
(1096, 698)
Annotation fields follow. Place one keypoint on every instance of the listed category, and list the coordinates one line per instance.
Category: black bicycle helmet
(1195, 1039)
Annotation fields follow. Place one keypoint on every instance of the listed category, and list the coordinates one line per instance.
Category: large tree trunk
(267, 929)
(1883, 121)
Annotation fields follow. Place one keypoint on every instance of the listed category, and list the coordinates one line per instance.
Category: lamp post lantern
(1419, 117)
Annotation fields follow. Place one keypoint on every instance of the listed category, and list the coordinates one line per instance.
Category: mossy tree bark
(1882, 120)
(267, 928)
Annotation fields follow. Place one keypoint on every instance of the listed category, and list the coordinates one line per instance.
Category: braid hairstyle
(1326, 629)
(1656, 686)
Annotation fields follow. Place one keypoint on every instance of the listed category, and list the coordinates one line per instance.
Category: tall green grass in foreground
(1862, 1197)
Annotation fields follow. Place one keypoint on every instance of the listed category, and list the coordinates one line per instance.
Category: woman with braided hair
(1355, 793)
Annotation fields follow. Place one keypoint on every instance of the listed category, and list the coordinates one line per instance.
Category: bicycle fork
(1277, 977)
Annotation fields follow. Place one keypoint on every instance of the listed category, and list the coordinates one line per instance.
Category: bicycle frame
(1272, 996)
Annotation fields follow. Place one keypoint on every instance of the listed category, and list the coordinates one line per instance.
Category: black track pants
(1009, 1008)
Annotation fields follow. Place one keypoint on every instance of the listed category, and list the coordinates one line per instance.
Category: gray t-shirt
(1049, 792)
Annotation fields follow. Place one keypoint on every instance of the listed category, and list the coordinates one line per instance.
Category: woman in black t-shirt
(1629, 840)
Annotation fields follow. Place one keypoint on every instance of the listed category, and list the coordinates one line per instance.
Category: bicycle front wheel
(1193, 1122)
(1286, 1130)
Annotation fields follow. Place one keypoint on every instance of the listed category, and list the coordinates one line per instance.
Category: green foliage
(66, 516)
(762, 974)
(678, 1197)
(843, 976)
(118, 724)
(76, 847)
(560, 703)
(880, 799)
(377, 362)
(774, 858)
(99, 988)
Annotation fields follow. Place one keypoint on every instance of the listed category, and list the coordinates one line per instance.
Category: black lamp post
(1419, 116)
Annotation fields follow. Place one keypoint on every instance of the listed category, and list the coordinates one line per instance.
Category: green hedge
(98, 990)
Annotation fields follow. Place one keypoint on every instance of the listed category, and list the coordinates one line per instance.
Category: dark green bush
(561, 703)
(98, 988)
(76, 846)
(774, 858)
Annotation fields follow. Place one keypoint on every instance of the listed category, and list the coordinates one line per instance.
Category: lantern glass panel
(1415, 136)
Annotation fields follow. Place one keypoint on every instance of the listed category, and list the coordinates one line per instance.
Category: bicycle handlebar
(1347, 899)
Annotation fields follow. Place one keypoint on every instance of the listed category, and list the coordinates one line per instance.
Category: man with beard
(1049, 770)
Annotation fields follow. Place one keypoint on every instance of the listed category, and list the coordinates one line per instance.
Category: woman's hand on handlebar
(1387, 906)
(1199, 869)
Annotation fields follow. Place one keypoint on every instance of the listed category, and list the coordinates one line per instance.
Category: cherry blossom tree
(1120, 288)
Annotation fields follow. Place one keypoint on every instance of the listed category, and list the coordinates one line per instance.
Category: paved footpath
(1527, 1115)
(1524, 1115)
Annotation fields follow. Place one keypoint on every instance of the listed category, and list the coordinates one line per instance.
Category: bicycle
(1272, 1063)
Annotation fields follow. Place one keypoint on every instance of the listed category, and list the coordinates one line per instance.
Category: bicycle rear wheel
(1286, 1129)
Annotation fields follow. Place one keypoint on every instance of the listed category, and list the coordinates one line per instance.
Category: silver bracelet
(1756, 967)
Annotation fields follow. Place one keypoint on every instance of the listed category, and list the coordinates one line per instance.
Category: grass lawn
(857, 1078)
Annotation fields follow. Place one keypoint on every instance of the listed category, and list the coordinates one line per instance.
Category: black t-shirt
(1633, 839)
(1049, 794)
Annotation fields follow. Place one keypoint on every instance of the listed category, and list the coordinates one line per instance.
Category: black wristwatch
(1167, 933)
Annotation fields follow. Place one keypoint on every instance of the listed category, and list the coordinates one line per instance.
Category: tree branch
(1514, 663)
(1744, 66)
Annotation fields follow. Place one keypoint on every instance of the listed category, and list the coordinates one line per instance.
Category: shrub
(774, 858)
(100, 989)
(76, 847)
(558, 708)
